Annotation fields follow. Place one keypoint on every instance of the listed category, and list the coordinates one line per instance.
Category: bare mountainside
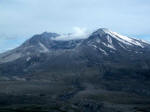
(105, 72)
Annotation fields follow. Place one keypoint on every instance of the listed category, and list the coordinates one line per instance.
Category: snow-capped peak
(122, 39)
(127, 40)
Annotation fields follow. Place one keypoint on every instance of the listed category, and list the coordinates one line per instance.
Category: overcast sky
(20, 19)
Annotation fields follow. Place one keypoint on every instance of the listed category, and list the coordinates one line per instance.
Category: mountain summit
(103, 48)
(105, 69)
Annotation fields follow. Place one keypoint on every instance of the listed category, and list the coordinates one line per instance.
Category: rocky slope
(43, 52)
(106, 72)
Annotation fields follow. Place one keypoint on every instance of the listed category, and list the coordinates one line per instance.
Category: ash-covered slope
(38, 44)
(105, 41)
(105, 72)
(104, 52)
(78, 69)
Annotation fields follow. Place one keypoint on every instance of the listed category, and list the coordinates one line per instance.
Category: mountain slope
(103, 57)
(101, 46)
(102, 39)
(105, 72)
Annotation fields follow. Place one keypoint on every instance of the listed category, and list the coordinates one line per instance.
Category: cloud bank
(78, 33)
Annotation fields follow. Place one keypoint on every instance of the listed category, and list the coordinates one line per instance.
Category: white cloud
(78, 33)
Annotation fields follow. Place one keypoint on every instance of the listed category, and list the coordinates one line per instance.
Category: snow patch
(45, 49)
(109, 39)
(109, 46)
(28, 59)
(125, 39)
(144, 41)
(94, 46)
(122, 46)
(103, 51)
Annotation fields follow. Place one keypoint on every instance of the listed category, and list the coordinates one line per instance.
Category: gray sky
(20, 19)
